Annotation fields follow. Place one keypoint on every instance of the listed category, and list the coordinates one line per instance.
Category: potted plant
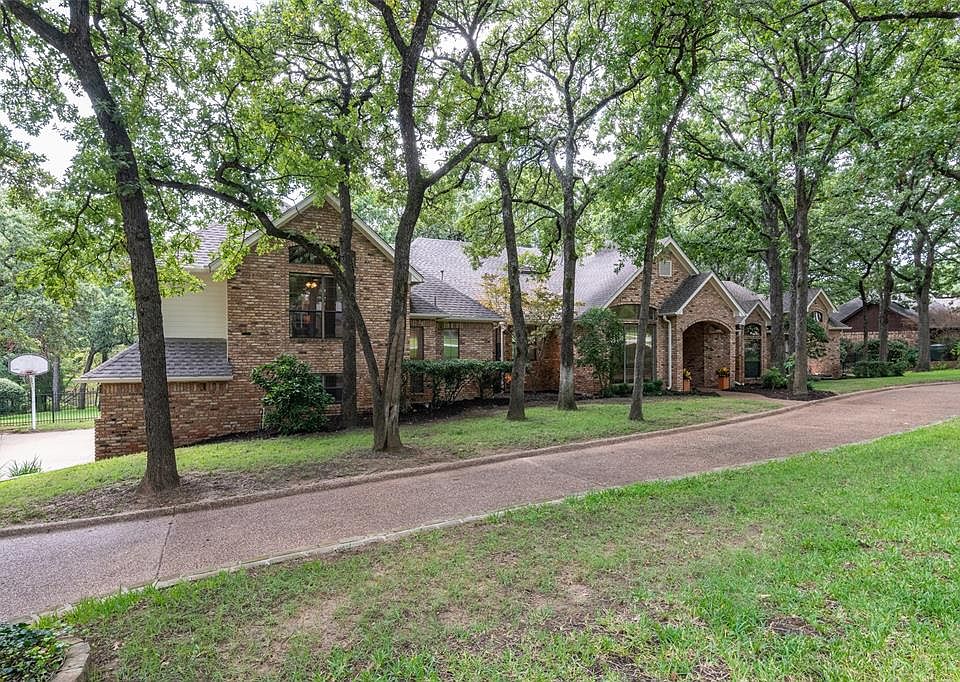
(723, 378)
(687, 378)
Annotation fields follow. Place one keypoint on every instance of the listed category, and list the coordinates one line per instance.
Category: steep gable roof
(212, 237)
(690, 287)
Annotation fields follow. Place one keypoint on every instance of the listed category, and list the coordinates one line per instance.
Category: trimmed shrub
(13, 396)
(447, 378)
(27, 653)
(294, 400)
(774, 378)
(897, 352)
(621, 390)
(876, 368)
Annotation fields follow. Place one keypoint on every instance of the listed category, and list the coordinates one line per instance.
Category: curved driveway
(43, 571)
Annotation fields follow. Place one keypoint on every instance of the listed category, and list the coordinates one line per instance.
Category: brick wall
(258, 326)
(199, 411)
(907, 336)
(258, 331)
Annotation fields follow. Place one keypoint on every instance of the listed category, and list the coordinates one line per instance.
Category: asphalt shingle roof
(600, 275)
(211, 237)
(745, 297)
(433, 297)
(186, 359)
(687, 288)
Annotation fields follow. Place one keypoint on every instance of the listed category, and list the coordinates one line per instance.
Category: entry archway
(706, 348)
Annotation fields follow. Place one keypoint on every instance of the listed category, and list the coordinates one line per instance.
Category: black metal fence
(75, 405)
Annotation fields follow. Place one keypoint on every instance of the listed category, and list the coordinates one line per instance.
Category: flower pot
(724, 383)
(686, 385)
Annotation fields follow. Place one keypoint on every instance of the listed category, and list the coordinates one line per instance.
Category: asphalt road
(44, 571)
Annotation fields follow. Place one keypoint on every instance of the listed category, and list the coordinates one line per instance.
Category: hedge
(447, 378)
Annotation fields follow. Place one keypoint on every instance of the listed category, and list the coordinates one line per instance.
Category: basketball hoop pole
(33, 400)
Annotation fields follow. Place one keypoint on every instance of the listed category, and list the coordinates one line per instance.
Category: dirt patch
(791, 625)
(711, 671)
(201, 486)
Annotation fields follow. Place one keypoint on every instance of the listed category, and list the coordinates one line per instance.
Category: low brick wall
(199, 411)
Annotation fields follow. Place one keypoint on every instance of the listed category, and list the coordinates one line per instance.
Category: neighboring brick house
(281, 301)
(902, 321)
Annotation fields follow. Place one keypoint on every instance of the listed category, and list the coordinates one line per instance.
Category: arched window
(818, 316)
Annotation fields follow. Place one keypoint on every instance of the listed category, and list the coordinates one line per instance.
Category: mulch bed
(781, 393)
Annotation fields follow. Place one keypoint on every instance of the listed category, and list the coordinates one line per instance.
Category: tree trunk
(649, 249)
(348, 405)
(566, 399)
(883, 321)
(774, 262)
(161, 470)
(861, 288)
(82, 388)
(387, 432)
(516, 410)
(54, 385)
(923, 258)
(801, 245)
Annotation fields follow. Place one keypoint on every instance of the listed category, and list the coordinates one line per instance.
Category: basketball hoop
(30, 366)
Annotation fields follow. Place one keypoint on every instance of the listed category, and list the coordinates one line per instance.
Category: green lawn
(851, 385)
(837, 565)
(21, 498)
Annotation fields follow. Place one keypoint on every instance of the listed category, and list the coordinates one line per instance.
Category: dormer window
(818, 316)
(666, 267)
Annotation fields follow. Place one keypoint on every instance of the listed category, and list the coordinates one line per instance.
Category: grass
(835, 565)
(22, 499)
(851, 385)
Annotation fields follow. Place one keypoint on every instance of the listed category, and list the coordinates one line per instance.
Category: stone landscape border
(350, 481)
(76, 662)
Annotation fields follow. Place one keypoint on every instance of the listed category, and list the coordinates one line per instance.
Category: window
(415, 344)
(415, 352)
(333, 384)
(497, 339)
(303, 256)
(666, 267)
(627, 312)
(625, 375)
(818, 316)
(451, 343)
(316, 310)
(752, 348)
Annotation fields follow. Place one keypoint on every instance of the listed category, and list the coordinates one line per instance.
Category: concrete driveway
(56, 449)
(48, 569)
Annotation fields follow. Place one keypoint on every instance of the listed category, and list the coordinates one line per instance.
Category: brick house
(902, 320)
(281, 301)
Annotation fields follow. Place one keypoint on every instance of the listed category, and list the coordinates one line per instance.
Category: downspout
(669, 352)
(503, 328)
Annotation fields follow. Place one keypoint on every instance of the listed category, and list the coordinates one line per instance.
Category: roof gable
(213, 236)
(693, 285)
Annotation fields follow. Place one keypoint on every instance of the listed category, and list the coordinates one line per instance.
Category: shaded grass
(835, 565)
(456, 438)
(853, 384)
